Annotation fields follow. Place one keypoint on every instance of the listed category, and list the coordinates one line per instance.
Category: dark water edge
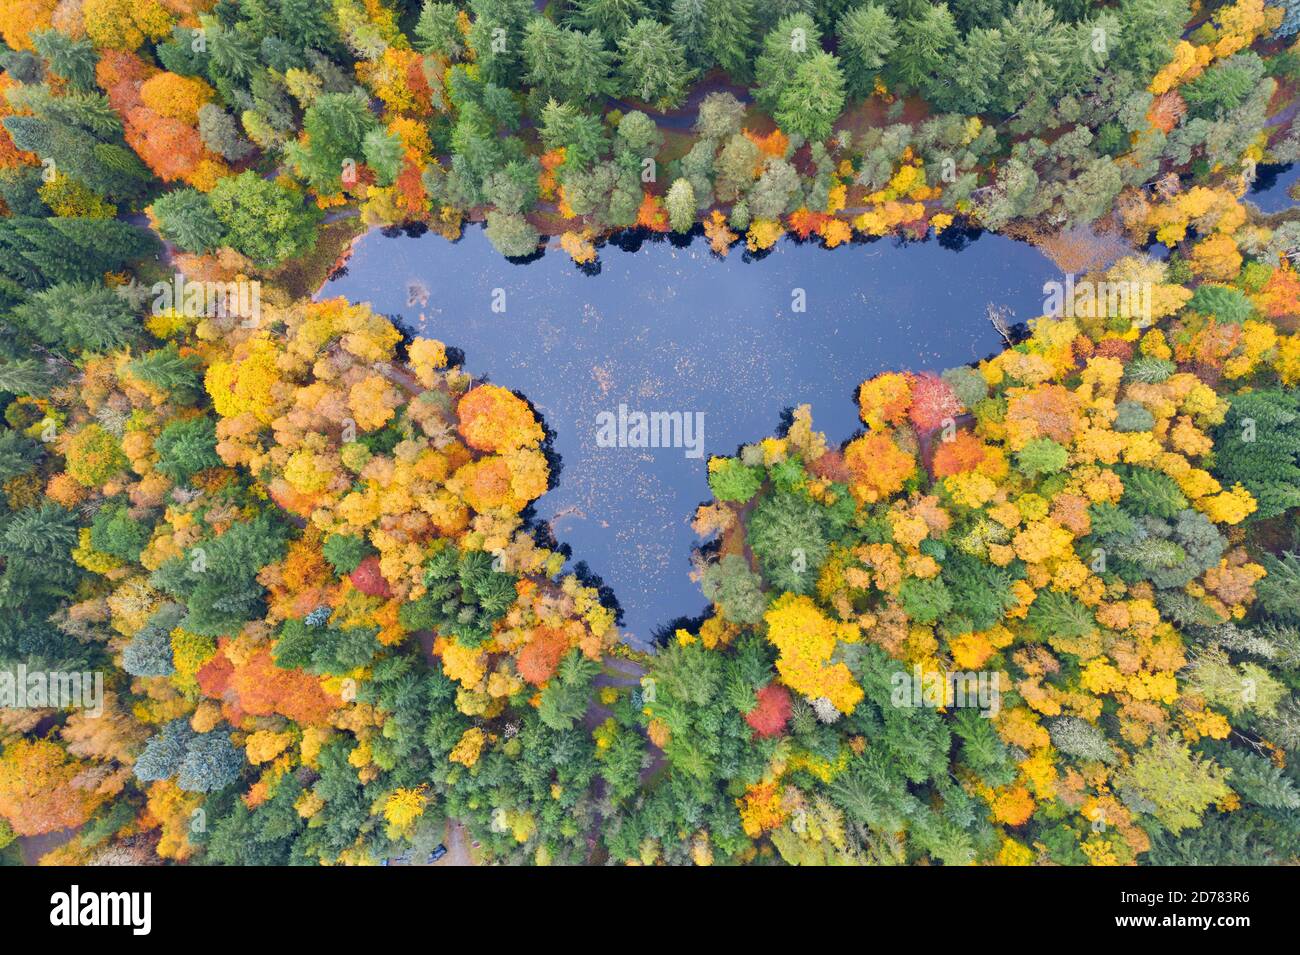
(667, 326)
(1269, 191)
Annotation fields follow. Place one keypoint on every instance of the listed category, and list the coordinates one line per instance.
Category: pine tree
(813, 100)
(437, 32)
(612, 18)
(793, 40)
(924, 43)
(27, 376)
(179, 377)
(729, 26)
(1258, 445)
(185, 217)
(867, 37)
(38, 253)
(74, 60)
(653, 68)
(79, 318)
(1279, 591)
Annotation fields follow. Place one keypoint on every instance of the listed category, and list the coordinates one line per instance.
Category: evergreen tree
(1258, 445)
(925, 40)
(38, 253)
(813, 100)
(185, 217)
(652, 67)
(78, 317)
(867, 37)
(179, 377)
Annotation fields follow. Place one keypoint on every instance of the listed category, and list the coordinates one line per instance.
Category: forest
(296, 539)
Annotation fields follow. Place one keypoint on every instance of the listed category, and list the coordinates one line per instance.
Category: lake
(665, 328)
(1269, 190)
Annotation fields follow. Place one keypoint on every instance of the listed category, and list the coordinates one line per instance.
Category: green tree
(736, 589)
(867, 38)
(812, 101)
(612, 18)
(1258, 445)
(681, 205)
(793, 40)
(335, 127)
(186, 447)
(186, 218)
(497, 36)
(78, 317)
(437, 31)
(263, 220)
(179, 377)
(511, 235)
(652, 66)
(925, 39)
(220, 134)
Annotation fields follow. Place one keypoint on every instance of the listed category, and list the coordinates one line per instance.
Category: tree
(1148, 31)
(186, 218)
(812, 101)
(79, 317)
(567, 65)
(1039, 46)
(565, 699)
(26, 376)
(652, 65)
(125, 24)
(186, 447)
(38, 253)
(867, 37)
(736, 589)
(924, 42)
(612, 18)
(681, 206)
(74, 60)
(1180, 784)
(728, 26)
(638, 133)
(384, 153)
(793, 40)
(334, 128)
(437, 30)
(39, 789)
(179, 377)
(720, 116)
(496, 36)
(788, 534)
(211, 762)
(219, 133)
(511, 235)
(774, 193)
(1258, 446)
(975, 73)
(263, 220)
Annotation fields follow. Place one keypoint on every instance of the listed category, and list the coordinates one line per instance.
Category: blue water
(1269, 191)
(676, 329)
